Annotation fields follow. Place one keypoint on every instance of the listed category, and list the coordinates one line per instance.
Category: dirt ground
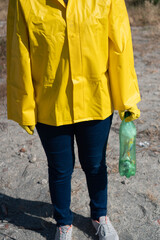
(133, 204)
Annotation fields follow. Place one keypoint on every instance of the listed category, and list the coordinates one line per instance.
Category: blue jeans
(58, 143)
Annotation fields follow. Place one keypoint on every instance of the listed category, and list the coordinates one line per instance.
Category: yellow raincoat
(68, 64)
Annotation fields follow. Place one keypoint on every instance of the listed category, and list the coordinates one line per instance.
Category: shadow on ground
(34, 215)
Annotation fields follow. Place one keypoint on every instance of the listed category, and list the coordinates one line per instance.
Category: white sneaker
(104, 229)
(63, 233)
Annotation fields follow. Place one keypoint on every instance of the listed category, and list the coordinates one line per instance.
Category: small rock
(144, 144)
(2, 225)
(22, 150)
(32, 158)
(123, 182)
(6, 220)
(44, 181)
(157, 222)
(141, 144)
(6, 226)
(20, 154)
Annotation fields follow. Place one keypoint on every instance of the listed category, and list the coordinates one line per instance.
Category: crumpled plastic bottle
(127, 140)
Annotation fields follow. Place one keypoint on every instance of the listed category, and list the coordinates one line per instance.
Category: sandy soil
(133, 204)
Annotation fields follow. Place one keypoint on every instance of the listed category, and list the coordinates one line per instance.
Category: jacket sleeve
(123, 79)
(20, 92)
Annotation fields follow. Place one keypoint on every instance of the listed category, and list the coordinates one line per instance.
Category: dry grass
(3, 100)
(151, 197)
(2, 91)
(2, 57)
(147, 14)
(3, 10)
(140, 14)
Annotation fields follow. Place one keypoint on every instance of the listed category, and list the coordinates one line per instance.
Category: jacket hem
(67, 122)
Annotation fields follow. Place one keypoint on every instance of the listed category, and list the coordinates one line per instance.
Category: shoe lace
(103, 229)
(64, 232)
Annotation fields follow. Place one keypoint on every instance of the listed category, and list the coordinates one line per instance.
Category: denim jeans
(58, 143)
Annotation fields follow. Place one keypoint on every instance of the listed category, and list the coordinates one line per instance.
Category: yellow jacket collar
(62, 2)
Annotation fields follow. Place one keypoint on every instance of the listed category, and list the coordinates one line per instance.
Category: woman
(70, 65)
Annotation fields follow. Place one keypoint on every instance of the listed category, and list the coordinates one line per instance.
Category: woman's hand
(28, 129)
(135, 113)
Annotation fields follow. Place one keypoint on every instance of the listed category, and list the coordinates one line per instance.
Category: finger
(32, 128)
(121, 114)
(132, 117)
(134, 110)
(129, 119)
(28, 130)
